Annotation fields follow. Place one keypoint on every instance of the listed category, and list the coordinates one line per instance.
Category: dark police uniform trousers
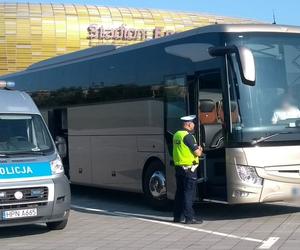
(186, 181)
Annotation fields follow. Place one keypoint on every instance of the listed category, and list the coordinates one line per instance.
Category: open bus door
(205, 100)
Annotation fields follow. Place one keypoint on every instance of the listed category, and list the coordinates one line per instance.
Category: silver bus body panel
(170, 175)
(131, 133)
(278, 166)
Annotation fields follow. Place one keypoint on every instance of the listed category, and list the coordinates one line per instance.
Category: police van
(33, 186)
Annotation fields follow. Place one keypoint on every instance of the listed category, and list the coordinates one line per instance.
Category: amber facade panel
(33, 32)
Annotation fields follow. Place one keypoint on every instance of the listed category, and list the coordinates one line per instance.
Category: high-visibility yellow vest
(182, 155)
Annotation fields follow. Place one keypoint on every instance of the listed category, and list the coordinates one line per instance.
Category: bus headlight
(248, 175)
(57, 166)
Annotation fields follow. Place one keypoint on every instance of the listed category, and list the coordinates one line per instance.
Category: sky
(286, 11)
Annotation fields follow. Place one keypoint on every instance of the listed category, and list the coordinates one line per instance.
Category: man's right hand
(198, 152)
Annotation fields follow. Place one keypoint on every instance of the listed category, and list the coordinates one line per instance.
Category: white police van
(33, 187)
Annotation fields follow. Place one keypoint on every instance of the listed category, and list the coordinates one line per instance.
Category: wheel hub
(157, 185)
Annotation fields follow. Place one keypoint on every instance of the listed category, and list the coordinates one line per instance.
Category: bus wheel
(155, 185)
(57, 225)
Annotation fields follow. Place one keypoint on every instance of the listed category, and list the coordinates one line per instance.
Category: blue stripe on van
(24, 170)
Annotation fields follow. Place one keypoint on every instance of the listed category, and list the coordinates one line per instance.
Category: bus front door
(205, 100)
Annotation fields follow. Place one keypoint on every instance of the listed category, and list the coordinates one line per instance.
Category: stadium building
(33, 32)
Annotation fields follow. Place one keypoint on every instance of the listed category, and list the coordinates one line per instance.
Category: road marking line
(201, 230)
(266, 244)
(269, 243)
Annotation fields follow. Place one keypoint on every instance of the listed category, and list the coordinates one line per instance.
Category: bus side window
(176, 102)
(175, 92)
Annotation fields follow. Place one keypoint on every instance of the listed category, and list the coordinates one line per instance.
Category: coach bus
(114, 111)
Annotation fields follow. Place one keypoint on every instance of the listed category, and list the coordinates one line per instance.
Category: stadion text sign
(124, 33)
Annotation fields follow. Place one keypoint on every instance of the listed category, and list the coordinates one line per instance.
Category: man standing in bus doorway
(186, 153)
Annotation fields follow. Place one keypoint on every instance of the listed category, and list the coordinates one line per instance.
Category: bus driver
(287, 110)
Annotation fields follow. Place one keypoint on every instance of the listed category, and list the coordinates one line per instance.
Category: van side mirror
(61, 146)
(245, 61)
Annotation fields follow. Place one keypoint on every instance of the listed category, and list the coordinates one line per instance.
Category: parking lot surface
(102, 219)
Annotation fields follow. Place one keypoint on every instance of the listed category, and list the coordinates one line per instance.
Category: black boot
(178, 220)
(193, 221)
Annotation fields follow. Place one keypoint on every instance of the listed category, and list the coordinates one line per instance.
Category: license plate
(296, 192)
(20, 213)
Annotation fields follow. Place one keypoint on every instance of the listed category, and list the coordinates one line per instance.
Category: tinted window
(23, 133)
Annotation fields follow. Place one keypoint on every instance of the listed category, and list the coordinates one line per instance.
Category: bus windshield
(23, 134)
(269, 111)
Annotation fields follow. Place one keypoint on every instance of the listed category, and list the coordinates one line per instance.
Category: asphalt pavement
(104, 219)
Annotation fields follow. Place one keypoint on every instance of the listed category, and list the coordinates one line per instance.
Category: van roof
(16, 102)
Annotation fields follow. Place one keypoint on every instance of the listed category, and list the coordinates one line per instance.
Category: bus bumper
(240, 194)
(55, 208)
(279, 191)
(270, 191)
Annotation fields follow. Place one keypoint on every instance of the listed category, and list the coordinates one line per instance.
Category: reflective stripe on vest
(182, 155)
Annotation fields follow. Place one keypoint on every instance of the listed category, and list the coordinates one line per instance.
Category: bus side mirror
(245, 60)
(61, 146)
(247, 65)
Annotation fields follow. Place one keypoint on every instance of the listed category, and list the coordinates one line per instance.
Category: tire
(154, 185)
(57, 225)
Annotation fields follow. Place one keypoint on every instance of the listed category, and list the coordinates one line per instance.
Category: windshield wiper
(26, 153)
(264, 138)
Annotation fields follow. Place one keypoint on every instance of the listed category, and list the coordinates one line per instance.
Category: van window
(23, 134)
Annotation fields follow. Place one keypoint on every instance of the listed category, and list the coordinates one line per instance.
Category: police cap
(188, 118)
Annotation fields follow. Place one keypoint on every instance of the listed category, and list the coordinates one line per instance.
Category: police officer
(186, 153)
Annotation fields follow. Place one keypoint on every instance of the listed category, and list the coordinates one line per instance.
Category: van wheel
(57, 225)
(154, 185)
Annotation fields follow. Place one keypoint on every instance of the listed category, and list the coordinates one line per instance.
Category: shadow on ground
(134, 204)
(20, 231)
